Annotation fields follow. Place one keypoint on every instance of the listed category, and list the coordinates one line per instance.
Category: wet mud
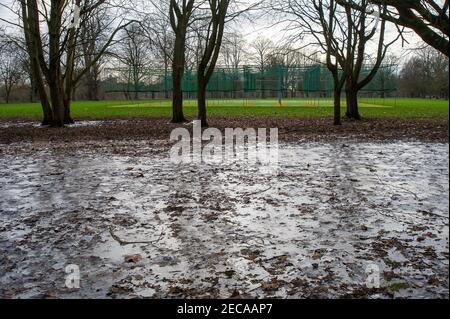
(139, 227)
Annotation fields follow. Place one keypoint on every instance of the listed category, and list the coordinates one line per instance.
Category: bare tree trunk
(57, 101)
(337, 104)
(136, 90)
(211, 50)
(352, 102)
(61, 41)
(179, 20)
(201, 100)
(263, 84)
(33, 89)
(43, 97)
(177, 100)
(7, 93)
(67, 117)
(47, 111)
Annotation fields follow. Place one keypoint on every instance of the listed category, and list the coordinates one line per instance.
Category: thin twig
(397, 187)
(124, 243)
(257, 192)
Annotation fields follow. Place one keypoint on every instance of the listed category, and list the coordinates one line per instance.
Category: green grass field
(291, 108)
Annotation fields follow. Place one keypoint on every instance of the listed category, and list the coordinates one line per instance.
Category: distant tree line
(425, 75)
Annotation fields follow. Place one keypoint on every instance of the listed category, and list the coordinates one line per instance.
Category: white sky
(264, 27)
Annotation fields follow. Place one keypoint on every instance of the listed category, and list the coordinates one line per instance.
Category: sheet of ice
(219, 231)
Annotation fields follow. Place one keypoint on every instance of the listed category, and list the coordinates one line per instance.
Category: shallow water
(12, 124)
(309, 231)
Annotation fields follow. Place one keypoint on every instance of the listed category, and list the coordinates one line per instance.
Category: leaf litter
(201, 231)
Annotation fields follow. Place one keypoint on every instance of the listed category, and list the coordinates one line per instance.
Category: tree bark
(47, 111)
(352, 103)
(177, 100)
(263, 83)
(136, 91)
(67, 117)
(33, 89)
(61, 41)
(179, 21)
(7, 93)
(201, 100)
(55, 79)
(57, 104)
(43, 97)
(211, 50)
(337, 105)
(177, 78)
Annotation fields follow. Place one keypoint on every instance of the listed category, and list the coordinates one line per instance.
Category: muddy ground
(105, 197)
(291, 130)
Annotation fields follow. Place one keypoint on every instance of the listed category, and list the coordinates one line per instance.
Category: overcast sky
(267, 27)
(264, 27)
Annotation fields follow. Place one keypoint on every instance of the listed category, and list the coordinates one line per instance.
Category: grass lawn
(291, 108)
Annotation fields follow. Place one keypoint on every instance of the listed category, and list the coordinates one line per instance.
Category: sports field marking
(135, 106)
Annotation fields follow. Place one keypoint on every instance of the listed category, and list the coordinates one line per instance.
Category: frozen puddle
(335, 216)
(10, 124)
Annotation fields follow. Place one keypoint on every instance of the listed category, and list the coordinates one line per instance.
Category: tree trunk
(67, 117)
(7, 94)
(47, 111)
(37, 84)
(177, 101)
(337, 105)
(58, 109)
(57, 100)
(263, 84)
(33, 90)
(46, 107)
(201, 100)
(178, 65)
(136, 84)
(352, 103)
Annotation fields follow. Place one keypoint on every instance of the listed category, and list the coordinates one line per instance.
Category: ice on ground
(141, 227)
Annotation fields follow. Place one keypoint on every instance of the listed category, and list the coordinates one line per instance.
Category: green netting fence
(247, 82)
